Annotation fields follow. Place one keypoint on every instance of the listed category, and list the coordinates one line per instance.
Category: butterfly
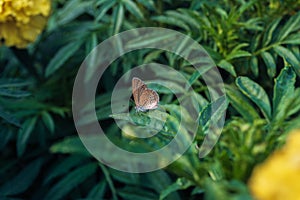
(144, 98)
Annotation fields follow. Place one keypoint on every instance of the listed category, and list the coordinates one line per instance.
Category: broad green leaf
(283, 91)
(293, 124)
(71, 181)
(270, 63)
(133, 8)
(255, 93)
(48, 121)
(227, 66)
(241, 104)
(23, 180)
(62, 56)
(71, 145)
(284, 87)
(24, 134)
(63, 167)
(289, 57)
(254, 65)
(294, 106)
(180, 184)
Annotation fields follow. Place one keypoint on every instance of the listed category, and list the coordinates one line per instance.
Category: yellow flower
(21, 21)
(278, 177)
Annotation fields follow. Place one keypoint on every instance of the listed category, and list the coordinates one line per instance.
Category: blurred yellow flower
(278, 177)
(21, 21)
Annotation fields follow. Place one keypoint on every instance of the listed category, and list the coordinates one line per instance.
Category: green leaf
(9, 118)
(184, 17)
(254, 65)
(241, 104)
(270, 63)
(104, 8)
(293, 39)
(14, 93)
(24, 134)
(207, 114)
(72, 145)
(164, 182)
(62, 56)
(71, 181)
(289, 57)
(270, 32)
(63, 167)
(23, 180)
(149, 4)
(291, 25)
(238, 54)
(98, 191)
(118, 18)
(109, 181)
(170, 20)
(150, 39)
(180, 184)
(294, 106)
(283, 92)
(132, 193)
(133, 9)
(71, 10)
(5, 136)
(48, 121)
(256, 93)
(227, 66)
(9, 83)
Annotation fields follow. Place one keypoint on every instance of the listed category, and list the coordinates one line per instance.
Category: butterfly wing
(138, 86)
(148, 99)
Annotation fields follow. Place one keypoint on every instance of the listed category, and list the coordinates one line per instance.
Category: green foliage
(255, 44)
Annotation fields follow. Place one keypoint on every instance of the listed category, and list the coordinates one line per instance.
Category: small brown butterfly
(144, 98)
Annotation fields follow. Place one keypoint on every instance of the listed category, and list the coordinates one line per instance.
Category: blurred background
(255, 45)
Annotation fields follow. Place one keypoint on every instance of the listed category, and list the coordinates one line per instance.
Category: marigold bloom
(278, 177)
(21, 21)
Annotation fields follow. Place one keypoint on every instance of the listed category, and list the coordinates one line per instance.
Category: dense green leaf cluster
(256, 46)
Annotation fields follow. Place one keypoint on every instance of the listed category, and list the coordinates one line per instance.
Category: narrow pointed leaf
(24, 134)
(270, 63)
(71, 181)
